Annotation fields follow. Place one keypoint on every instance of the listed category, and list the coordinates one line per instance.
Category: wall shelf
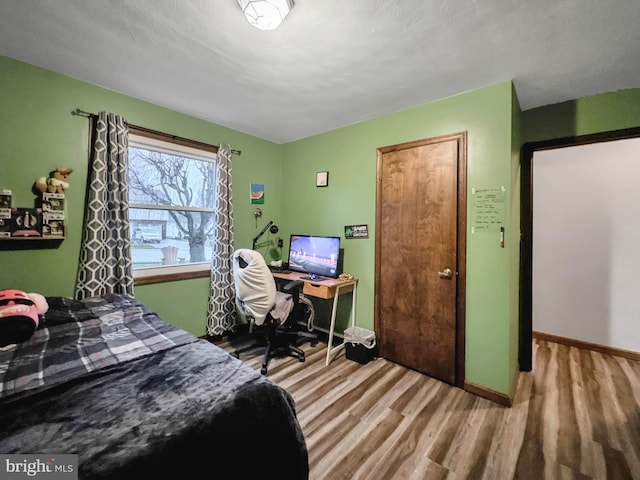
(30, 243)
(30, 237)
(38, 227)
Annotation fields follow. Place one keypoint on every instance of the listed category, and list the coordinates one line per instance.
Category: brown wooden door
(420, 237)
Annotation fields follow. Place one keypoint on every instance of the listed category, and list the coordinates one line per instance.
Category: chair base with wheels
(277, 343)
(273, 314)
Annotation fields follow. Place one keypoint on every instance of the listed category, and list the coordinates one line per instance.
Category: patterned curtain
(105, 254)
(221, 310)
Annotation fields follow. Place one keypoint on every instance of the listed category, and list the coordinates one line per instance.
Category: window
(171, 192)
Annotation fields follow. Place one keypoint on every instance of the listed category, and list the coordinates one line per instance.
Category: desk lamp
(272, 228)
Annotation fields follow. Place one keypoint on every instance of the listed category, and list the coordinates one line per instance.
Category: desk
(326, 289)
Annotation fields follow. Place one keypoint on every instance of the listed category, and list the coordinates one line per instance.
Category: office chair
(273, 314)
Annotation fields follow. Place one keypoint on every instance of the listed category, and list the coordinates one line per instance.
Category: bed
(108, 380)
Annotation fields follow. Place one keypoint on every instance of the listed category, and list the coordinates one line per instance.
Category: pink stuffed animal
(19, 315)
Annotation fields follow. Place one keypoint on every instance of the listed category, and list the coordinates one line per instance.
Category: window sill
(149, 276)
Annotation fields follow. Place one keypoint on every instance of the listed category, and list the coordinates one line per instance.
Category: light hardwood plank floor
(576, 415)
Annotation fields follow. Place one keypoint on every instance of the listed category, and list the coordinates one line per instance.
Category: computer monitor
(315, 255)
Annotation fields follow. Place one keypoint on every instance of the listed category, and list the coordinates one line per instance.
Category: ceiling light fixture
(265, 14)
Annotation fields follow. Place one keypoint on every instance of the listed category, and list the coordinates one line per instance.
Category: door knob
(447, 273)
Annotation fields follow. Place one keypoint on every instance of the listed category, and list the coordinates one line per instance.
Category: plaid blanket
(79, 337)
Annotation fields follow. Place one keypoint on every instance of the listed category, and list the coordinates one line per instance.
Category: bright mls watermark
(49, 466)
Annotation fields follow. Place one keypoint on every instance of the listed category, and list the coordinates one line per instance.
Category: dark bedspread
(173, 410)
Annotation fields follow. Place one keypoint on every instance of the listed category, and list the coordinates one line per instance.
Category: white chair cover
(255, 286)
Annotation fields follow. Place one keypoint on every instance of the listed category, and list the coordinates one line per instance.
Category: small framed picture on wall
(322, 179)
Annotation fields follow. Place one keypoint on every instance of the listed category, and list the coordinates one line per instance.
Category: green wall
(349, 154)
(513, 238)
(38, 133)
(595, 114)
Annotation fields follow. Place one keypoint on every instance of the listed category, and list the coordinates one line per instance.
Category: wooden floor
(575, 415)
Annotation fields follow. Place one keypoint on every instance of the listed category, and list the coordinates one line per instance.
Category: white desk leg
(353, 305)
(330, 348)
(333, 324)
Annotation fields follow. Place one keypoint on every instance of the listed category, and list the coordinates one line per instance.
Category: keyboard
(279, 270)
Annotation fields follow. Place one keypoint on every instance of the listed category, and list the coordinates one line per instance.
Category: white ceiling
(332, 62)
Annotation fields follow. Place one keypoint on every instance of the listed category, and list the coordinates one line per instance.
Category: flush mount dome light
(265, 14)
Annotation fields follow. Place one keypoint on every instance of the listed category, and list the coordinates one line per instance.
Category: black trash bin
(360, 345)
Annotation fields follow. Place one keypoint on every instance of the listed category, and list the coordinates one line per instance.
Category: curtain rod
(82, 113)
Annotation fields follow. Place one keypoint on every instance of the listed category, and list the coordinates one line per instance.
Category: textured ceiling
(332, 62)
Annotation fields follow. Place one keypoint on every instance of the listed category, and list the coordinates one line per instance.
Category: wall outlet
(280, 243)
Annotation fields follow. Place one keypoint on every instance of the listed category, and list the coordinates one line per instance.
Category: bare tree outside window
(171, 199)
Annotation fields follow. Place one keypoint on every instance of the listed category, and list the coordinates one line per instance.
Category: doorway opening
(525, 354)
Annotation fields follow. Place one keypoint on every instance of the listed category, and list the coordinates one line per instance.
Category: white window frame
(165, 272)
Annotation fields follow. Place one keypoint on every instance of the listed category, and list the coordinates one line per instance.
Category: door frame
(461, 248)
(525, 350)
